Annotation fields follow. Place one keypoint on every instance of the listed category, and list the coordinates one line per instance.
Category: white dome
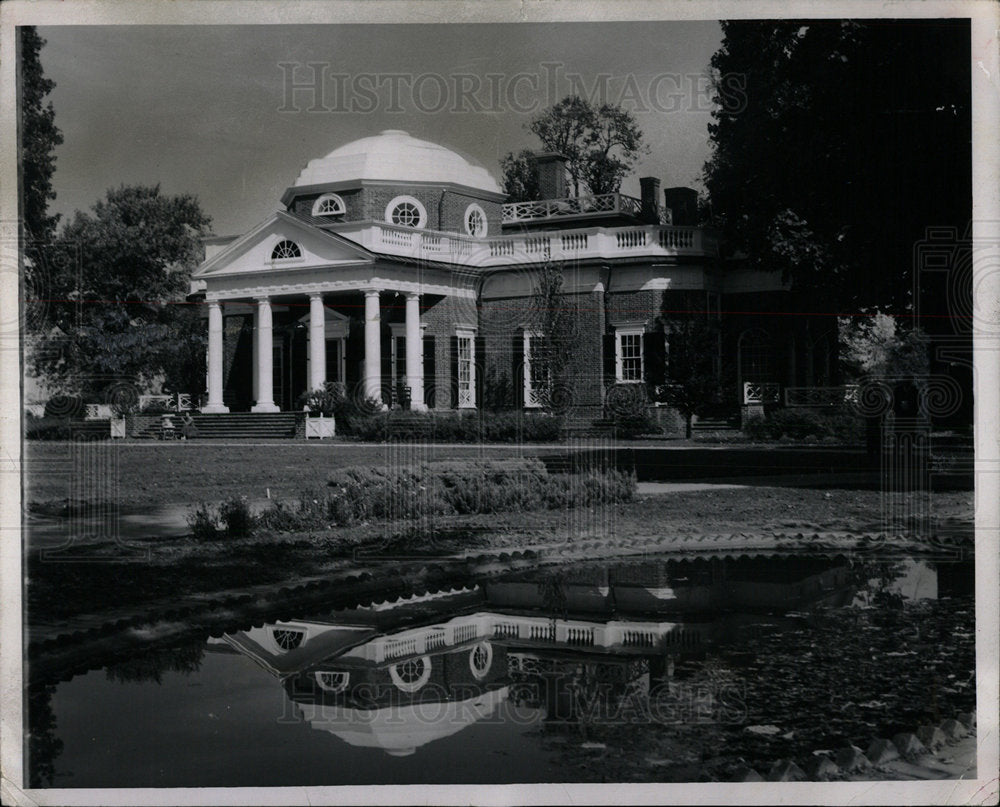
(394, 156)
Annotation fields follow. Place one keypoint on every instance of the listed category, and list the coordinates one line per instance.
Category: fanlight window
(284, 250)
(287, 639)
(333, 681)
(475, 221)
(406, 211)
(329, 205)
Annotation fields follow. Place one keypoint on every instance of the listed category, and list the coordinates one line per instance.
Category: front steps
(232, 426)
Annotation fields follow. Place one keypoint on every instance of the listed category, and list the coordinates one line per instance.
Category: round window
(333, 681)
(481, 659)
(287, 639)
(475, 221)
(406, 211)
(412, 674)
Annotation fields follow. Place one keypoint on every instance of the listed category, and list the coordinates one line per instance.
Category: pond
(650, 669)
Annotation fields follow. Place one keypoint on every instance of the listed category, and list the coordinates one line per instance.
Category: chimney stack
(551, 167)
(683, 205)
(650, 213)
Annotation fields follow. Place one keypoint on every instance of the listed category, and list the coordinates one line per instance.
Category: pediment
(255, 251)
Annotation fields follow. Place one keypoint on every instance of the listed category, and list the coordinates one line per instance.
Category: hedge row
(453, 488)
(838, 425)
(458, 427)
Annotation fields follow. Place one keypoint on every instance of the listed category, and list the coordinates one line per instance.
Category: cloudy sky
(207, 109)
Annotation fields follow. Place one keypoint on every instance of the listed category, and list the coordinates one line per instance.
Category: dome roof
(395, 156)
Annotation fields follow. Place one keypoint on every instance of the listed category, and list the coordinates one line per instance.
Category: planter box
(319, 427)
(117, 427)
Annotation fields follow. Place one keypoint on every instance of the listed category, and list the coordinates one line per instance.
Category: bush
(157, 407)
(628, 410)
(236, 517)
(65, 406)
(458, 427)
(48, 428)
(203, 523)
(836, 425)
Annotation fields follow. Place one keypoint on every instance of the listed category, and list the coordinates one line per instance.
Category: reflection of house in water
(398, 676)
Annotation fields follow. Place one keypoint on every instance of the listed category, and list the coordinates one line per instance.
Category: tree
(836, 144)
(122, 275)
(556, 341)
(39, 137)
(875, 346)
(601, 145)
(520, 177)
(692, 385)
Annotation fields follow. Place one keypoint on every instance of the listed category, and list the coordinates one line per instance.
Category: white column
(373, 346)
(265, 359)
(215, 360)
(317, 342)
(414, 353)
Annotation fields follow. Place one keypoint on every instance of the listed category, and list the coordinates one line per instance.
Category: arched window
(406, 211)
(481, 659)
(475, 221)
(412, 674)
(284, 250)
(287, 638)
(329, 204)
(333, 681)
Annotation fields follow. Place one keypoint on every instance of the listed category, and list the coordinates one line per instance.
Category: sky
(208, 110)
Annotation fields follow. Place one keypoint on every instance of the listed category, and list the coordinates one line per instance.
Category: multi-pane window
(475, 221)
(284, 250)
(629, 355)
(329, 205)
(406, 214)
(535, 372)
(466, 371)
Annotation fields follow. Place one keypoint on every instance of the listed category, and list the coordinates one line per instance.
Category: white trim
(484, 230)
(404, 199)
(619, 333)
(530, 402)
(480, 674)
(300, 258)
(470, 334)
(411, 686)
(325, 198)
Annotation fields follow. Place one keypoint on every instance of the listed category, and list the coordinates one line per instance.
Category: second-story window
(328, 205)
(475, 221)
(406, 211)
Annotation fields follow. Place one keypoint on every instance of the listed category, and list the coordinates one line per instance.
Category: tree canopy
(39, 137)
(836, 144)
(116, 287)
(601, 145)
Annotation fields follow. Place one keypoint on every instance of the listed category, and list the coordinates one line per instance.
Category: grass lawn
(188, 472)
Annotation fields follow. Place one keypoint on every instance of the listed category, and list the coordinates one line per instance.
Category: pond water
(659, 669)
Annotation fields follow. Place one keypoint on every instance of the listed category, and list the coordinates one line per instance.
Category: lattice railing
(571, 206)
(820, 396)
(761, 392)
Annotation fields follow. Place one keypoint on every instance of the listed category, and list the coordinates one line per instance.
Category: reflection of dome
(400, 730)
(396, 156)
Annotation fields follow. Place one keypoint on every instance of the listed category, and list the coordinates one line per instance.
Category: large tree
(836, 144)
(39, 136)
(119, 282)
(600, 144)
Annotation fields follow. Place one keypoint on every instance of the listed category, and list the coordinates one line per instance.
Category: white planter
(117, 427)
(319, 427)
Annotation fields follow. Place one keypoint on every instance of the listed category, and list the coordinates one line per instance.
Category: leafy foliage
(835, 145)
(877, 346)
(39, 137)
(693, 385)
(557, 340)
(123, 270)
(600, 144)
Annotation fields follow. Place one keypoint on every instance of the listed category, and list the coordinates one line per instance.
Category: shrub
(203, 523)
(840, 425)
(458, 427)
(236, 517)
(157, 406)
(48, 428)
(65, 406)
(628, 410)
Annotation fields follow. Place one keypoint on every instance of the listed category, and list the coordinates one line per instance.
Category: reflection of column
(317, 342)
(414, 353)
(215, 360)
(265, 359)
(373, 347)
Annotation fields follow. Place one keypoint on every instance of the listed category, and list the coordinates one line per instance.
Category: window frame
(620, 357)
(530, 401)
(469, 211)
(280, 243)
(470, 334)
(411, 200)
(325, 198)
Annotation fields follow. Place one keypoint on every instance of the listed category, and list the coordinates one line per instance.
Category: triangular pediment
(254, 251)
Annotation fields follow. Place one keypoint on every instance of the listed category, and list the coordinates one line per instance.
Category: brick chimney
(683, 204)
(650, 200)
(551, 167)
